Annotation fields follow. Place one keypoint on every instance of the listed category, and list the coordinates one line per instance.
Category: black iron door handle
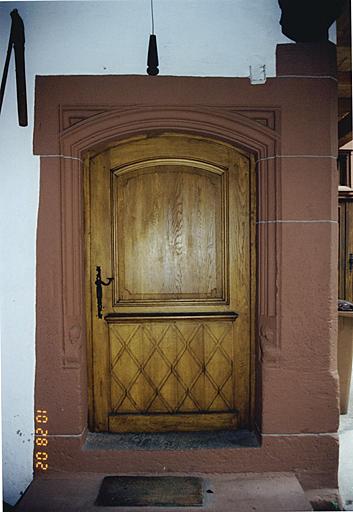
(99, 290)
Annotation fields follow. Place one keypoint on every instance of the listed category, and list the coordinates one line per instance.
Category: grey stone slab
(77, 492)
(171, 440)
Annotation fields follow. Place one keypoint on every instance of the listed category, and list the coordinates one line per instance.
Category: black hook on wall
(17, 42)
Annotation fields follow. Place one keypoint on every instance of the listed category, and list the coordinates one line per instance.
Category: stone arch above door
(234, 127)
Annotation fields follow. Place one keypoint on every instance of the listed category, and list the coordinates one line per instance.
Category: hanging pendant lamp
(152, 58)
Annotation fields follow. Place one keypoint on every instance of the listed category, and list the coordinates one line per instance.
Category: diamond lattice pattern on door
(170, 367)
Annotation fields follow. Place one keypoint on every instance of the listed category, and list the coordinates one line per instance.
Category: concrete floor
(345, 474)
(270, 492)
(261, 500)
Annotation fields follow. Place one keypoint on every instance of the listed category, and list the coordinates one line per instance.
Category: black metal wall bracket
(17, 42)
(99, 290)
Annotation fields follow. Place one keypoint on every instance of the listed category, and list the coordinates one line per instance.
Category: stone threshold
(171, 440)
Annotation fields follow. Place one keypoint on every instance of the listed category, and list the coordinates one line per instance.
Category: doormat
(150, 491)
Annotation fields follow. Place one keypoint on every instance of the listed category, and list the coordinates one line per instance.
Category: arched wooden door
(170, 219)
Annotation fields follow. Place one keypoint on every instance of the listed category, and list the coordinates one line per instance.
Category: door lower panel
(172, 366)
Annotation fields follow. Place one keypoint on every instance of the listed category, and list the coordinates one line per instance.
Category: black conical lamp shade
(152, 59)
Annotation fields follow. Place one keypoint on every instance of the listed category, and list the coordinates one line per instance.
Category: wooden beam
(344, 105)
(345, 130)
(344, 90)
(345, 76)
(343, 27)
(344, 58)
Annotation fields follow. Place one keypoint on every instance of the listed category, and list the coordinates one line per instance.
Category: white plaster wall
(195, 37)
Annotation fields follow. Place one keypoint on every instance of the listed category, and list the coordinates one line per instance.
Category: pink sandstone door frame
(231, 127)
(75, 115)
(243, 129)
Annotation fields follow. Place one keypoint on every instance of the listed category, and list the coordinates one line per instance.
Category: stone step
(245, 492)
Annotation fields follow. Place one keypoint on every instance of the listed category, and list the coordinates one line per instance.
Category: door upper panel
(170, 233)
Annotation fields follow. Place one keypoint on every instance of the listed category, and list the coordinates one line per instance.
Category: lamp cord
(152, 16)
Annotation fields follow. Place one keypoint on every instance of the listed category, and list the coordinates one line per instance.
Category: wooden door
(170, 219)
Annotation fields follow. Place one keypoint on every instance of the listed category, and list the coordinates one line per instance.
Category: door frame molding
(242, 128)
